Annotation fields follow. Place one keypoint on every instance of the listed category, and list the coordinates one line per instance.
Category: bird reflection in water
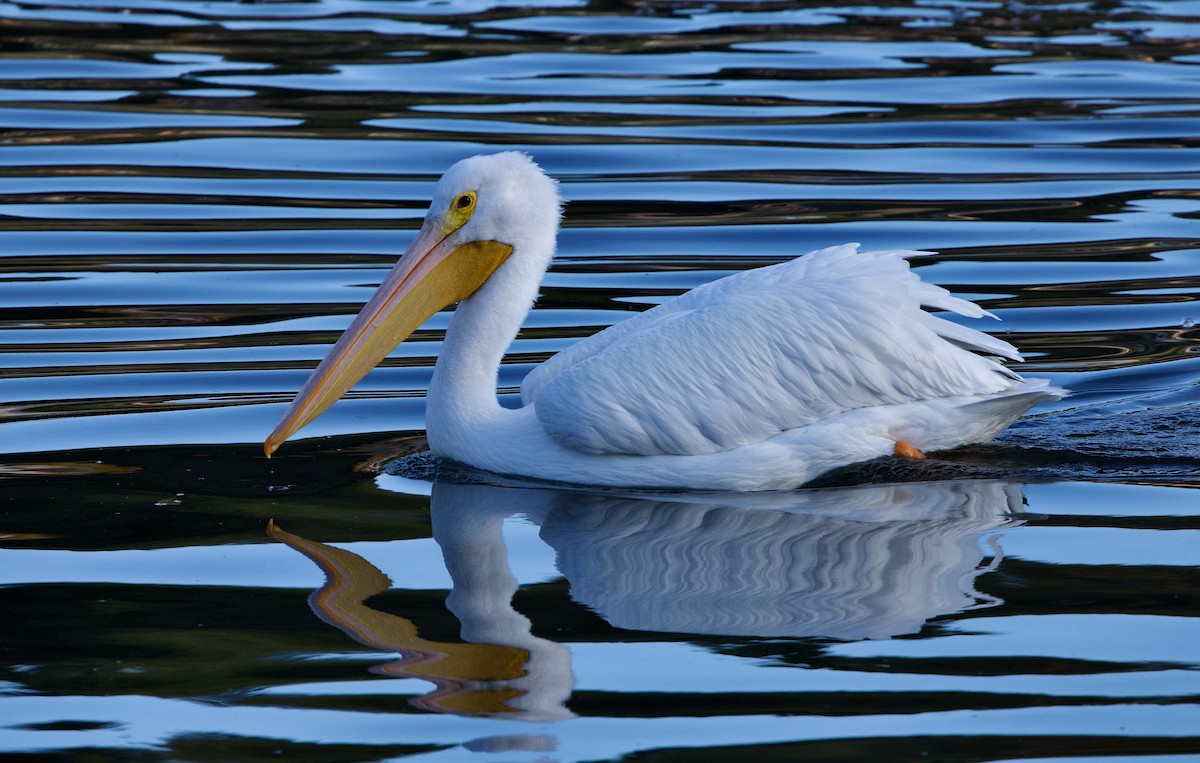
(854, 563)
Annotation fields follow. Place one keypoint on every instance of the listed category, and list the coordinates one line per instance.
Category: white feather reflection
(868, 562)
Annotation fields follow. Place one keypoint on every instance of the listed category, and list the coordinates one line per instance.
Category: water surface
(196, 199)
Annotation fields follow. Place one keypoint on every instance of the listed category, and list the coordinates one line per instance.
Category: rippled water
(196, 197)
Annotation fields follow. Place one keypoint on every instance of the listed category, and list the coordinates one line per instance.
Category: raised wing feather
(744, 358)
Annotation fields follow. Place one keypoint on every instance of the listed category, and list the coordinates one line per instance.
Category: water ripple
(196, 197)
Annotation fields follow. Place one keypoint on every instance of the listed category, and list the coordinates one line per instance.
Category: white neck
(462, 393)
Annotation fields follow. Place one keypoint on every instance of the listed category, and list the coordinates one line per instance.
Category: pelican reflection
(855, 563)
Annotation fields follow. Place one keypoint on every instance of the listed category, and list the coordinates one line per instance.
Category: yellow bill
(432, 274)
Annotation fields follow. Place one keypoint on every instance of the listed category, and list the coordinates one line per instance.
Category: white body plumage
(759, 381)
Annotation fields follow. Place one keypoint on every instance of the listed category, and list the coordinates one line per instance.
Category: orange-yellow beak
(432, 274)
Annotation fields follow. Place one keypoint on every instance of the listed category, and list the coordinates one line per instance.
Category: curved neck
(463, 390)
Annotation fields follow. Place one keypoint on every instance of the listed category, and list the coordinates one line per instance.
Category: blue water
(196, 198)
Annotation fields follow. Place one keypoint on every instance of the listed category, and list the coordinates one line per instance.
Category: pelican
(762, 380)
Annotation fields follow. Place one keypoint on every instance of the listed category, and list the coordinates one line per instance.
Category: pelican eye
(461, 209)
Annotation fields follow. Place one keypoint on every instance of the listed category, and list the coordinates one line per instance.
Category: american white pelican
(759, 381)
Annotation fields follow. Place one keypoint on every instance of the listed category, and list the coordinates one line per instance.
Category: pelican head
(489, 214)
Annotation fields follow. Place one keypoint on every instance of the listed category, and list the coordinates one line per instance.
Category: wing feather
(743, 358)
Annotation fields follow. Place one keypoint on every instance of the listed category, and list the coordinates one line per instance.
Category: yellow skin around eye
(459, 212)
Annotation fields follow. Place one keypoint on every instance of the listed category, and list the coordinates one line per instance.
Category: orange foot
(904, 450)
